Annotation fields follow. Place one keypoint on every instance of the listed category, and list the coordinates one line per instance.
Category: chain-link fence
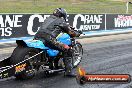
(72, 6)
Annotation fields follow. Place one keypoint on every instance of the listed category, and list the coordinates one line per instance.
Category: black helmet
(60, 12)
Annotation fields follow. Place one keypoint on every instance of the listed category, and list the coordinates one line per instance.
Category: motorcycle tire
(77, 54)
(22, 53)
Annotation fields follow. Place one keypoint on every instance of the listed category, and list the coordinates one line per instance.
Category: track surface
(101, 57)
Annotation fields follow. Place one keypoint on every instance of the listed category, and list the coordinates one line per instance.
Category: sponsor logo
(123, 21)
(10, 24)
(31, 23)
(84, 77)
(20, 68)
(88, 22)
(7, 22)
(28, 24)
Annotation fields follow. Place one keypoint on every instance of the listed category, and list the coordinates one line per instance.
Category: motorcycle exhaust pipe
(53, 71)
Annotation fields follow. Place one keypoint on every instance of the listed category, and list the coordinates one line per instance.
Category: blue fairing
(36, 44)
(64, 38)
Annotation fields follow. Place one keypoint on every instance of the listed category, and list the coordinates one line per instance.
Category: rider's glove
(66, 46)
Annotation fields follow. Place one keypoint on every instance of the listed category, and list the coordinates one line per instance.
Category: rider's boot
(70, 71)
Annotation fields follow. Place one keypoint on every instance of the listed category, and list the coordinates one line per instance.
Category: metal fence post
(127, 7)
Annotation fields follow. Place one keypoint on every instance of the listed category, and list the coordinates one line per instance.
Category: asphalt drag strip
(106, 55)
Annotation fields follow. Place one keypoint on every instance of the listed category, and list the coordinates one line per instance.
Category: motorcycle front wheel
(77, 54)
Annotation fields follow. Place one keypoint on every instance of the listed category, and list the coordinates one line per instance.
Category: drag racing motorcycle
(28, 57)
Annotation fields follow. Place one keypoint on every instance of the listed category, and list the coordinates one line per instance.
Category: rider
(51, 28)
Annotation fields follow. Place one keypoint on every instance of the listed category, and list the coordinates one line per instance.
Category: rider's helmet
(60, 12)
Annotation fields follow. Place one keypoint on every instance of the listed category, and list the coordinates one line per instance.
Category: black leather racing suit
(48, 32)
(50, 29)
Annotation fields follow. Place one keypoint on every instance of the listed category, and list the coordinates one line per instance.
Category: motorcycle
(28, 57)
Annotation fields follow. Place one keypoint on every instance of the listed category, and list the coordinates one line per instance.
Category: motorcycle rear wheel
(22, 53)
